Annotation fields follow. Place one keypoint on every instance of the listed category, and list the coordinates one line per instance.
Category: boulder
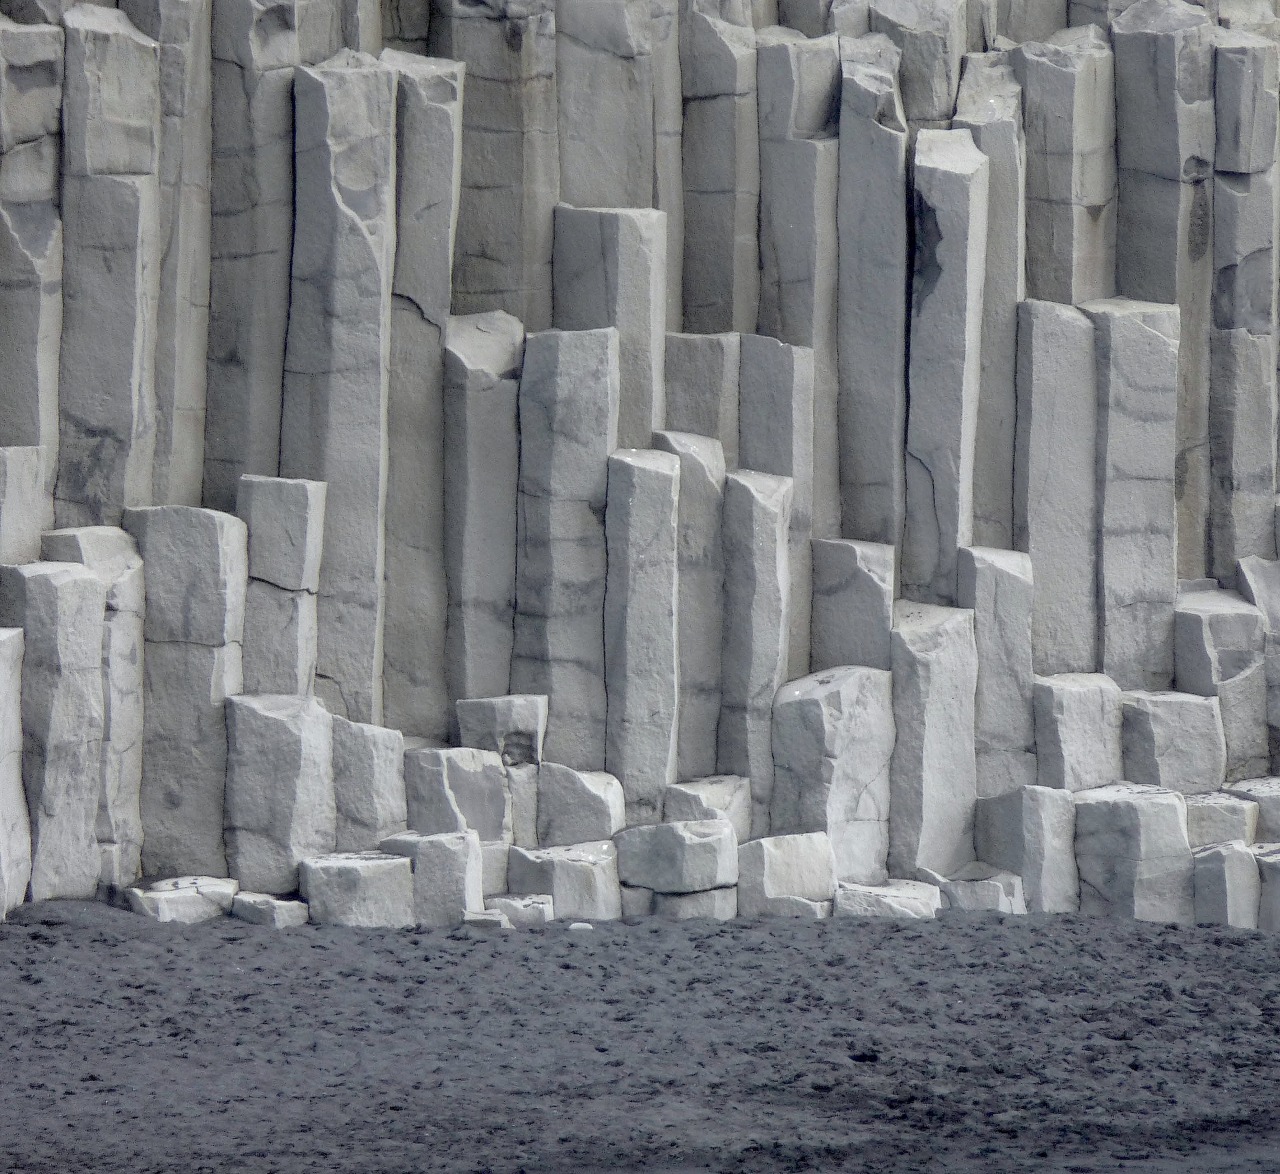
(684, 857)
(448, 874)
(364, 889)
(577, 806)
(582, 879)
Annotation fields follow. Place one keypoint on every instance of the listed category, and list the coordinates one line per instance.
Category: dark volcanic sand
(969, 1044)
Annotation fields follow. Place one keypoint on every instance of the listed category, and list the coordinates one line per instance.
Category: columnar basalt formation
(495, 462)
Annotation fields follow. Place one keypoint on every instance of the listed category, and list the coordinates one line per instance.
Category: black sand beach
(972, 1044)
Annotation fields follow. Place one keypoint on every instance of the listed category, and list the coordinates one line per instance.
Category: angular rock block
(933, 780)
(512, 727)
(895, 898)
(197, 573)
(481, 469)
(524, 912)
(715, 797)
(854, 584)
(1216, 819)
(186, 900)
(951, 198)
(700, 596)
(368, 784)
(363, 889)
(702, 388)
(22, 504)
(15, 821)
(1031, 832)
(582, 880)
(1266, 794)
(687, 856)
(1268, 858)
(978, 886)
(280, 637)
(522, 782)
(641, 640)
(711, 905)
(786, 876)
(493, 867)
(1227, 885)
(1133, 854)
(833, 743)
(933, 38)
(455, 790)
(61, 608)
(1173, 740)
(997, 586)
(636, 902)
(1246, 81)
(262, 909)
(1078, 720)
(285, 521)
(279, 807)
(757, 511)
(448, 875)
(576, 807)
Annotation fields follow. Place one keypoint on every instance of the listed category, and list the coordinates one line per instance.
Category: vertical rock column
(668, 136)
(15, 822)
(510, 156)
(933, 36)
(182, 28)
(568, 428)
(874, 284)
(255, 50)
(31, 63)
(337, 366)
(111, 268)
(112, 555)
(1164, 240)
(945, 367)
(1242, 341)
(196, 564)
(60, 607)
(428, 173)
(482, 359)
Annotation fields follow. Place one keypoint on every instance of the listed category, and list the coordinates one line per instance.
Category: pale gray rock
(448, 875)
(320, 28)
(493, 867)
(368, 784)
(978, 886)
(29, 173)
(285, 521)
(1174, 741)
(721, 168)
(1078, 731)
(524, 912)
(24, 509)
(255, 50)
(686, 856)
(610, 271)
(1268, 858)
(30, 80)
(715, 797)
(582, 880)
(1031, 832)
(1030, 20)
(370, 890)
(702, 372)
(849, 18)
(1227, 885)
(481, 469)
(279, 805)
(1266, 794)
(668, 141)
(780, 876)
(1215, 819)
(522, 782)
(854, 584)
(263, 909)
(997, 586)
(361, 25)
(221, 890)
(451, 790)
(1055, 499)
(1246, 95)
(197, 573)
(185, 900)
(989, 106)
(641, 639)
(776, 436)
(568, 428)
(184, 755)
(15, 821)
(488, 919)
(908, 899)
(576, 807)
(1244, 230)
(711, 905)
(1133, 854)
(337, 361)
(1068, 94)
(933, 780)
(1218, 642)
(510, 156)
(933, 36)
(1259, 582)
(637, 902)
(280, 638)
(1137, 363)
(873, 286)
(512, 727)
(833, 743)
(951, 207)
(757, 606)
(700, 596)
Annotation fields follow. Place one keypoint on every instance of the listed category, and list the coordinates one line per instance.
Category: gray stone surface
(524, 912)
(715, 797)
(448, 875)
(582, 880)
(713, 905)
(1227, 885)
(576, 807)
(451, 790)
(15, 821)
(1217, 818)
(895, 898)
(1078, 720)
(702, 388)
(685, 856)
(367, 890)
(854, 584)
(1266, 794)
(786, 876)
(263, 909)
(368, 784)
(285, 521)
(1174, 741)
(513, 727)
(933, 36)
(1031, 832)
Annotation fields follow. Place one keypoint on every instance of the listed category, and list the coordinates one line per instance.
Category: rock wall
(592, 458)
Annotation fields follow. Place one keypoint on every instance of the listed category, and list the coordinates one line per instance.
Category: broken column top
(492, 343)
(256, 35)
(285, 517)
(799, 86)
(30, 82)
